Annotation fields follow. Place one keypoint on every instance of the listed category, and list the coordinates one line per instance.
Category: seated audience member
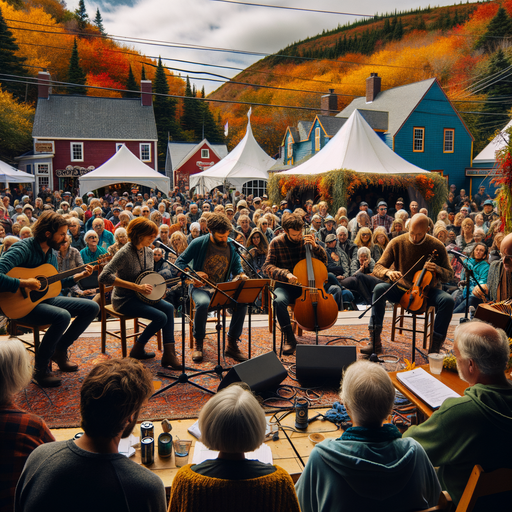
(195, 232)
(475, 428)
(232, 423)
(8, 241)
(466, 240)
(380, 241)
(77, 236)
(105, 237)
(344, 243)
(25, 232)
(121, 238)
(370, 467)
(257, 246)
(68, 258)
(20, 431)
(397, 228)
(364, 263)
(160, 265)
(89, 473)
(494, 252)
(91, 252)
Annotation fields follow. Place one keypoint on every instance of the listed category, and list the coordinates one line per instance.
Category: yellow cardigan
(192, 492)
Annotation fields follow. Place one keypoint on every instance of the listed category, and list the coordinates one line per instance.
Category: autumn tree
(76, 74)
(10, 63)
(499, 28)
(98, 21)
(131, 85)
(81, 15)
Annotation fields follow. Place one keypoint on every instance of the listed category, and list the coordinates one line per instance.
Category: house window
(317, 139)
(77, 151)
(256, 187)
(205, 153)
(119, 145)
(290, 149)
(419, 140)
(449, 138)
(28, 168)
(43, 169)
(145, 152)
(43, 181)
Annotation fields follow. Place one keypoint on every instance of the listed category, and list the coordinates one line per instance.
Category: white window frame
(317, 138)
(289, 151)
(143, 145)
(205, 153)
(415, 139)
(452, 141)
(45, 172)
(71, 148)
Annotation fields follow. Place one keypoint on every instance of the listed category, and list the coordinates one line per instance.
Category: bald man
(403, 257)
(475, 428)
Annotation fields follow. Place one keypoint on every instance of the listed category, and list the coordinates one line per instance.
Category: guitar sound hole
(35, 295)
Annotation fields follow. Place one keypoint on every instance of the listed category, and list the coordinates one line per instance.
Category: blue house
(423, 127)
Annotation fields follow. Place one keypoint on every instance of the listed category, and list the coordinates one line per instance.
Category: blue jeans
(460, 303)
(58, 313)
(201, 298)
(285, 295)
(442, 301)
(161, 315)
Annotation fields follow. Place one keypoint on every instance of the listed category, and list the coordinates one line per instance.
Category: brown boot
(289, 341)
(233, 351)
(437, 343)
(62, 359)
(138, 352)
(45, 378)
(169, 357)
(197, 355)
(369, 349)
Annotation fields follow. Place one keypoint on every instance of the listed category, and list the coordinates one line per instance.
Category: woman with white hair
(232, 423)
(195, 231)
(370, 467)
(121, 239)
(20, 431)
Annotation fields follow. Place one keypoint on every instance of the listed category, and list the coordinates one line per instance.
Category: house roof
(331, 124)
(303, 128)
(180, 152)
(488, 154)
(398, 102)
(86, 117)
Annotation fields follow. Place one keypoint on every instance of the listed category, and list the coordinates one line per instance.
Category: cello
(315, 310)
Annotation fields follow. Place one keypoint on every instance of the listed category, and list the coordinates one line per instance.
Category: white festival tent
(9, 174)
(123, 167)
(247, 162)
(356, 147)
(488, 154)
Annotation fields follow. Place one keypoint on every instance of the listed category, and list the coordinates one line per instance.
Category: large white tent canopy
(9, 174)
(357, 147)
(247, 162)
(488, 154)
(123, 167)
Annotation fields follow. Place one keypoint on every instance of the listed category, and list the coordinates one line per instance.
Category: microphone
(238, 244)
(458, 253)
(167, 247)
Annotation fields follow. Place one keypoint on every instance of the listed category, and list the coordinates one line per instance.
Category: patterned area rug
(60, 406)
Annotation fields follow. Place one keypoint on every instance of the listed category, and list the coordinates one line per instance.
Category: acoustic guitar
(21, 303)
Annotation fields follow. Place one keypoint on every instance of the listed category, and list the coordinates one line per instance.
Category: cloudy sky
(226, 25)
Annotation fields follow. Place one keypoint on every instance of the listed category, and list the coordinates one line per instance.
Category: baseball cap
(488, 201)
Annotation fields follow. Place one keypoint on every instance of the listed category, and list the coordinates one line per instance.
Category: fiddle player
(213, 257)
(401, 256)
(284, 252)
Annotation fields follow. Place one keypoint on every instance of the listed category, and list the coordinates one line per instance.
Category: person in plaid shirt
(284, 252)
(382, 218)
(20, 431)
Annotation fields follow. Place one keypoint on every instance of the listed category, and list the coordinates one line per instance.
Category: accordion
(498, 314)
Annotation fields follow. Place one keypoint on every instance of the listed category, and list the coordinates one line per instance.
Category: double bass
(315, 310)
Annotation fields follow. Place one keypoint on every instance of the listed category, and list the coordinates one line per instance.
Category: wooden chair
(482, 484)
(426, 329)
(445, 504)
(296, 328)
(212, 319)
(108, 310)
(36, 331)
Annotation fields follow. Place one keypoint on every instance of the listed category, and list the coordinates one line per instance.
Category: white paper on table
(201, 453)
(126, 445)
(427, 387)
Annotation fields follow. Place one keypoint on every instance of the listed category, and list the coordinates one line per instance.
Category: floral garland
(504, 181)
(337, 187)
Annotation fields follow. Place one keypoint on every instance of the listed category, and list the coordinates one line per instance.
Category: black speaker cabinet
(261, 373)
(320, 365)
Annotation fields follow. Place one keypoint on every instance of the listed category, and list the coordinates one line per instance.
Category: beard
(53, 244)
(129, 428)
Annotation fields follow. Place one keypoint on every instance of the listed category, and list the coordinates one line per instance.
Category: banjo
(158, 283)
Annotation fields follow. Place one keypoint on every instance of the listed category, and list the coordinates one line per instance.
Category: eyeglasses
(382, 209)
(92, 238)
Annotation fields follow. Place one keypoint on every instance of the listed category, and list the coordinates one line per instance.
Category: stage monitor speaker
(261, 373)
(319, 365)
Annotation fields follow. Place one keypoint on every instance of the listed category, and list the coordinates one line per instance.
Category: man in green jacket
(475, 428)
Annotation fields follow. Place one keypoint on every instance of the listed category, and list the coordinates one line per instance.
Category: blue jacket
(480, 271)
(27, 254)
(195, 254)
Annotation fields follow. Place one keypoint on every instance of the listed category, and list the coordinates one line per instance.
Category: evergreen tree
(213, 130)
(191, 120)
(499, 27)
(10, 63)
(98, 21)
(143, 73)
(165, 114)
(76, 74)
(398, 32)
(81, 15)
(131, 85)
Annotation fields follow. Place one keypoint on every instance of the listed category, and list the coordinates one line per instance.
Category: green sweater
(473, 429)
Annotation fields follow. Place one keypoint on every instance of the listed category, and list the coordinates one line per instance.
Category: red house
(75, 134)
(186, 158)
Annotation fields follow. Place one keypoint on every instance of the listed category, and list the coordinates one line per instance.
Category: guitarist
(400, 256)
(49, 232)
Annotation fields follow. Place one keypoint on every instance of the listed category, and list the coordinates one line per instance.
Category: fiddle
(415, 299)
(315, 310)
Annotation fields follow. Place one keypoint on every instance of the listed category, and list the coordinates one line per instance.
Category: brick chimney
(329, 104)
(43, 85)
(372, 87)
(147, 93)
